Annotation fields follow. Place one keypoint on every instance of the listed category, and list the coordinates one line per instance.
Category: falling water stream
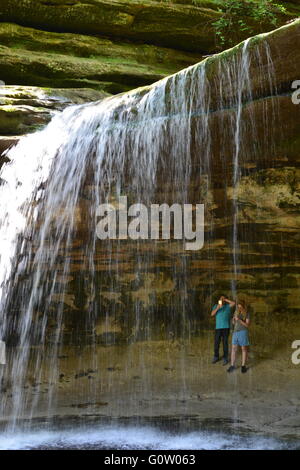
(154, 144)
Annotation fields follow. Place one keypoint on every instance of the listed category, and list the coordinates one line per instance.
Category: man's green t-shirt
(223, 316)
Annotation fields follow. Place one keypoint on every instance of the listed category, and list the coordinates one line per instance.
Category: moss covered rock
(182, 24)
(25, 109)
(32, 57)
(107, 45)
(185, 27)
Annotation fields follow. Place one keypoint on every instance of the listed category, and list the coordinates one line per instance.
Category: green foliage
(240, 16)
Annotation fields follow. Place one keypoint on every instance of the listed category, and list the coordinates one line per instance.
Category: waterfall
(158, 144)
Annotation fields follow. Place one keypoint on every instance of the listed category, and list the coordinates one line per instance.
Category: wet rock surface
(147, 376)
(26, 109)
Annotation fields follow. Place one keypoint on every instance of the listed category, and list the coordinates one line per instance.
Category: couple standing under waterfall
(240, 337)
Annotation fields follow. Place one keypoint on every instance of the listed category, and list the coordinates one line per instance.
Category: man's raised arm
(214, 311)
(230, 302)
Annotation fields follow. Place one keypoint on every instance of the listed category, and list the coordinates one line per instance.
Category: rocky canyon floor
(161, 382)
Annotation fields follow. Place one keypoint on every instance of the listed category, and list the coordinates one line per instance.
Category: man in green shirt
(222, 312)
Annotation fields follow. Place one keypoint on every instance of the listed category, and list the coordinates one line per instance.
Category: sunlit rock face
(184, 27)
(29, 56)
(129, 320)
(25, 109)
(113, 46)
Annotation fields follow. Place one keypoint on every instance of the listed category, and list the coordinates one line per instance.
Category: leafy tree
(241, 16)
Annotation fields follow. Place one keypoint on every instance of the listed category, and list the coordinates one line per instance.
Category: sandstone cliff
(159, 377)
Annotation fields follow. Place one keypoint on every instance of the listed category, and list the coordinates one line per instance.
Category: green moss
(187, 25)
(146, 21)
(69, 60)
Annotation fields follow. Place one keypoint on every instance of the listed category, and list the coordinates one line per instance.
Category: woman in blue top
(240, 337)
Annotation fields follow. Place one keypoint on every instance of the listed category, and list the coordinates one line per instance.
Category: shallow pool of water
(136, 437)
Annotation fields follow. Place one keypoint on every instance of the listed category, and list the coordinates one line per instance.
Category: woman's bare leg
(244, 355)
(233, 354)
